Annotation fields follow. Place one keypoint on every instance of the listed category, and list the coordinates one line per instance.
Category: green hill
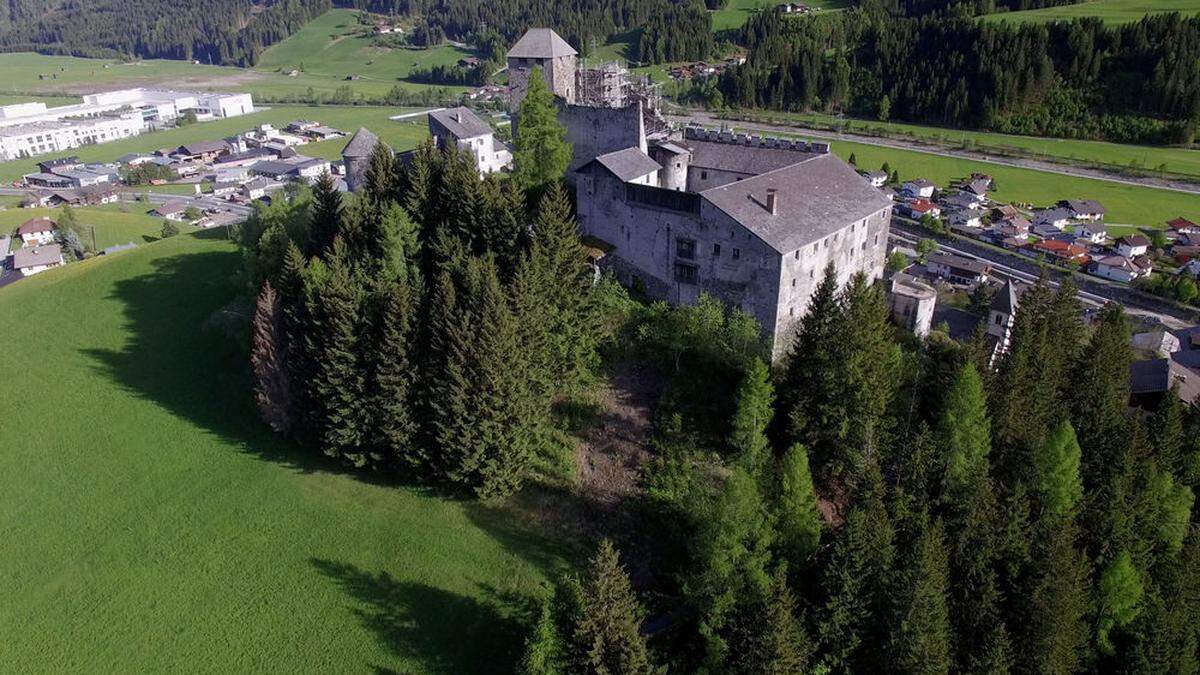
(153, 524)
(1109, 11)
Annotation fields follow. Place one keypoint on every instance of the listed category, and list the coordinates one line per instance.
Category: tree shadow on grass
(446, 632)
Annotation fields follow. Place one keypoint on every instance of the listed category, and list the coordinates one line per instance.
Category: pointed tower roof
(540, 43)
(362, 145)
(1005, 301)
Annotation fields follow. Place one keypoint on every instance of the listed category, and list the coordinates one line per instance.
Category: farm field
(400, 134)
(1177, 160)
(1131, 205)
(1109, 11)
(162, 527)
(114, 223)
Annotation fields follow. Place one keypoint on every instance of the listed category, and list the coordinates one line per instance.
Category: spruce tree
(392, 382)
(920, 641)
(1059, 484)
(545, 651)
(606, 635)
(541, 153)
(293, 303)
(1167, 433)
(325, 217)
(448, 394)
(775, 642)
(1057, 630)
(268, 359)
(1118, 600)
(337, 383)
(868, 372)
(1101, 394)
(798, 517)
(748, 436)
(380, 179)
(505, 230)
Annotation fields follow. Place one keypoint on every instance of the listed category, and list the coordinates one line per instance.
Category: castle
(751, 221)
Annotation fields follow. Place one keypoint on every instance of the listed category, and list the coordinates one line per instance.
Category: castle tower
(541, 48)
(357, 155)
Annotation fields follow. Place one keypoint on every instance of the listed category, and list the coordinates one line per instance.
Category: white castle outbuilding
(751, 221)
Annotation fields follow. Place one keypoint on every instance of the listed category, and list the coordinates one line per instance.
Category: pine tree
(337, 383)
(505, 229)
(1101, 393)
(1167, 434)
(393, 381)
(545, 652)
(748, 436)
(868, 370)
(380, 179)
(775, 642)
(1059, 484)
(799, 519)
(1119, 598)
(732, 551)
(1057, 630)
(325, 218)
(606, 635)
(964, 433)
(541, 154)
(293, 304)
(921, 638)
(448, 396)
(268, 358)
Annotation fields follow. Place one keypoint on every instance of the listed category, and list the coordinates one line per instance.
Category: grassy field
(738, 11)
(1177, 160)
(114, 223)
(1131, 205)
(154, 524)
(400, 135)
(1109, 11)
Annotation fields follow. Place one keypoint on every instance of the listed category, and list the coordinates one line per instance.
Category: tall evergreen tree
(1101, 393)
(545, 650)
(392, 381)
(748, 436)
(868, 371)
(1059, 484)
(798, 517)
(541, 154)
(293, 303)
(1167, 432)
(776, 642)
(1118, 600)
(920, 641)
(1057, 630)
(964, 433)
(381, 180)
(606, 636)
(325, 217)
(268, 359)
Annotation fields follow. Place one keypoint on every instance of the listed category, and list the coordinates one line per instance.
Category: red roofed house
(919, 208)
(1183, 226)
(36, 231)
(1120, 268)
(1061, 250)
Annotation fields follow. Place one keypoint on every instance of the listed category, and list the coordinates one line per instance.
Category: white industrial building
(29, 129)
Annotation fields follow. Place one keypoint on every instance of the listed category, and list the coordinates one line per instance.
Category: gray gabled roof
(818, 195)
(626, 164)
(32, 257)
(739, 158)
(540, 43)
(362, 144)
(1005, 300)
(461, 122)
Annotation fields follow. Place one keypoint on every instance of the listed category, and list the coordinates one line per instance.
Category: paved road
(709, 120)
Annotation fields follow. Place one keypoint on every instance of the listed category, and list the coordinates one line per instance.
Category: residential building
(201, 151)
(875, 178)
(1084, 209)
(913, 302)
(257, 188)
(30, 260)
(1096, 233)
(918, 188)
(958, 270)
(171, 211)
(1133, 245)
(1152, 379)
(1002, 316)
(1059, 251)
(1058, 218)
(1182, 225)
(978, 185)
(465, 130)
(963, 200)
(966, 218)
(37, 231)
(1120, 268)
(919, 208)
(1159, 342)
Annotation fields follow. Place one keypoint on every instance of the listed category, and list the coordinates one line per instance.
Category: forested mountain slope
(227, 32)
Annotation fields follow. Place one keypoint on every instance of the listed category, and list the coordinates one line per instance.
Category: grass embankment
(326, 51)
(114, 223)
(1128, 205)
(401, 134)
(1108, 11)
(154, 524)
(1182, 161)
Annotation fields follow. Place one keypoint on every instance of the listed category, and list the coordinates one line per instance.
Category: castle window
(876, 240)
(737, 253)
(864, 246)
(703, 175)
(793, 282)
(791, 311)
(685, 248)
(716, 250)
(797, 254)
(686, 274)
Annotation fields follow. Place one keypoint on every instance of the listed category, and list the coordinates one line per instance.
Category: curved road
(708, 119)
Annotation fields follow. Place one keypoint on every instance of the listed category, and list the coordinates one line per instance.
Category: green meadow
(737, 12)
(153, 524)
(1109, 11)
(400, 134)
(113, 223)
(1177, 160)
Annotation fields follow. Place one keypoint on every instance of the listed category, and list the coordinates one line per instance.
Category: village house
(875, 178)
(201, 151)
(913, 302)
(1059, 251)
(1095, 233)
(966, 218)
(1084, 209)
(37, 231)
(465, 130)
(257, 188)
(963, 200)
(978, 186)
(1183, 226)
(918, 188)
(1159, 342)
(170, 211)
(1152, 379)
(1121, 268)
(919, 208)
(1133, 245)
(30, 260)
(1002, 316)
(1058, 218)
(958, 270)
